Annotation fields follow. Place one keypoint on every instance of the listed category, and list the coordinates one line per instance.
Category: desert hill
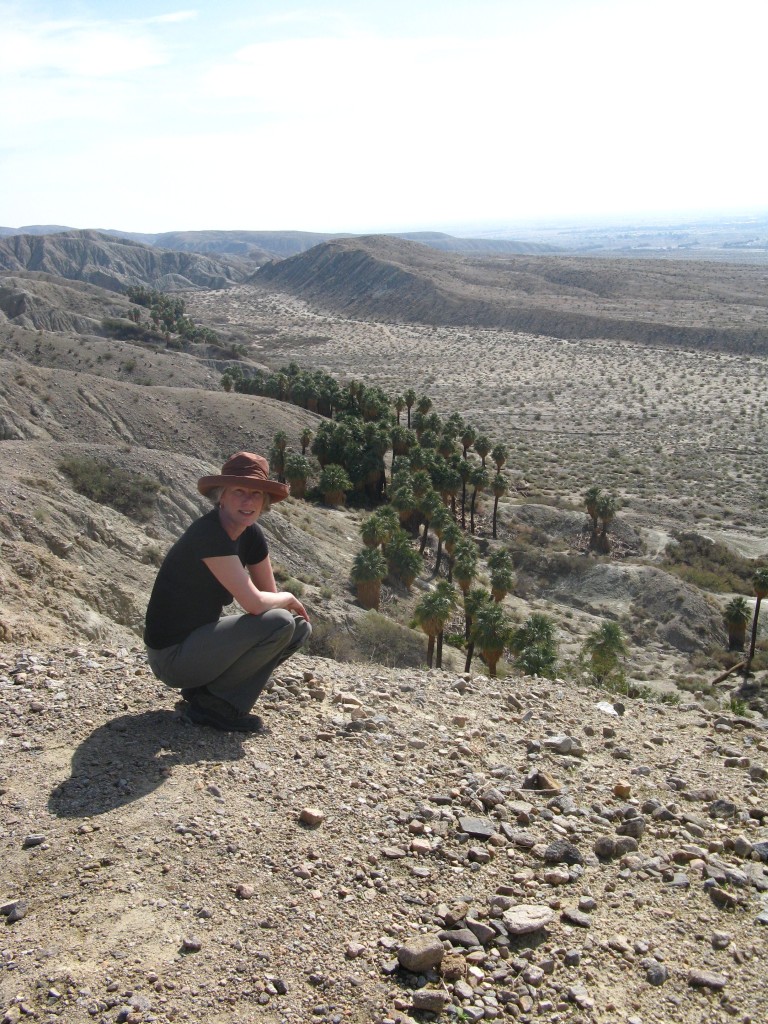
(696, 305)
(261, 246)
(400, 841)
(116, 263)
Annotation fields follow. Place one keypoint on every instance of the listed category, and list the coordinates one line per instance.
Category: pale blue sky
(366, 115)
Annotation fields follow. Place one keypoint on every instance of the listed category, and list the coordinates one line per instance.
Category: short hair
(215, 493)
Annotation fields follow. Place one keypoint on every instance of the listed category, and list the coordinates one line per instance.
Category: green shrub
(129, 493)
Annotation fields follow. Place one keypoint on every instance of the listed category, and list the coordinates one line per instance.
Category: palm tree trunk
(472, 513)
(463, 506)
(438, 556)
(753, 639)
(470, 654)
(430, 650)
(439, 654)
(495, 510)
(424, 536)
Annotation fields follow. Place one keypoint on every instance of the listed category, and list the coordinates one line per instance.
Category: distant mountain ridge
(268, 245)
(388, 279)
(116, 263)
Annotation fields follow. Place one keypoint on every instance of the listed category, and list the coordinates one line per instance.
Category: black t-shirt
(186, 594)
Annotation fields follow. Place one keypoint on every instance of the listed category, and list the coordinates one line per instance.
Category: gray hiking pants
(234, 657)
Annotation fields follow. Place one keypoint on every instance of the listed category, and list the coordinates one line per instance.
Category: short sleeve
(254, 548)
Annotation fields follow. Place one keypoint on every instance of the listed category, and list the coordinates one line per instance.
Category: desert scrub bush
(130, 493)
(708, 564)
(373, 637)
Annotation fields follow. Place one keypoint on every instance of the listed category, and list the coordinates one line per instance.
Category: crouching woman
(221, 663)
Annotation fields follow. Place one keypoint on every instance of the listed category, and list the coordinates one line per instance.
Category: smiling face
(239, 507)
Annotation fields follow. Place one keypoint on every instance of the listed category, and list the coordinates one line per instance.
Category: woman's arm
(231, 574)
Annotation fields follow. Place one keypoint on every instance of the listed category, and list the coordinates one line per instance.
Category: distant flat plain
(677, 435)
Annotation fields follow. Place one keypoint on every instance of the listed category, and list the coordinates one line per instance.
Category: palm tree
(591, 496)
(296, 472)
(452, 535)
(402, 440)
(474, 599)
(374, 531)
(431, 614)
(483, 447)
(535, 647)
(468, 437)
(333, 484)
(464, 471)
(368, 570)
(465, 564)
(410, 398)
(441, 520)
(499, 454)
(403, 501)
(502, 574)
(760, 587)
(399, 404)
(499, 488)
(429, 504)
(306, 439)
(606, 512)
(603, 651)
(478, 477)
(447, 480)
(490, 633)
(403, 562)
(736, 616)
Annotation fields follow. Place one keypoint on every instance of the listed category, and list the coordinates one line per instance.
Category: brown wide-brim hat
(245, 470)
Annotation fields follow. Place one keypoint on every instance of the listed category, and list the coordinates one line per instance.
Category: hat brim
(273, 488)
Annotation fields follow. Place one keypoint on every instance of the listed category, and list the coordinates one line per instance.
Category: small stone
(35, 839)
(605, 847)
(191, 944)
(354, 950)
(706, 979)
(527, 917)
(562, 852)
(721, 940)
(722, 809)
(622, 790)
(311, 816)
(480, 828)
(633, 827)
(393, 852)
(244, 891)
(578, 994)
(723, 898)
(17, 910)
(576, 917)
(433, 1000)
(657, 973)
(420, 953)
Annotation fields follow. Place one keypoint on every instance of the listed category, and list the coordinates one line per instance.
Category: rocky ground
(399, 844)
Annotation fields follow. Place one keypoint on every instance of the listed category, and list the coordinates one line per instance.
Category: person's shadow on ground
(130, 756)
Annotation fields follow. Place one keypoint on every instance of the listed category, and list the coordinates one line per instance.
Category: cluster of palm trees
(601, 509)
(167, 313)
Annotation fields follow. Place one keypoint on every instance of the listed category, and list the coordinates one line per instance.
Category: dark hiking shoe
(207, 709)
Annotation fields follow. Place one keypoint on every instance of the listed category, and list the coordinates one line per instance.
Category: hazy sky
(365, 115)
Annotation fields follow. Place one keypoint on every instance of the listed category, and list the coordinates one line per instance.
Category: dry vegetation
(160, 872)
(676, 434)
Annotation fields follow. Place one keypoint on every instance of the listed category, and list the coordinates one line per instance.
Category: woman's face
(240, 506)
